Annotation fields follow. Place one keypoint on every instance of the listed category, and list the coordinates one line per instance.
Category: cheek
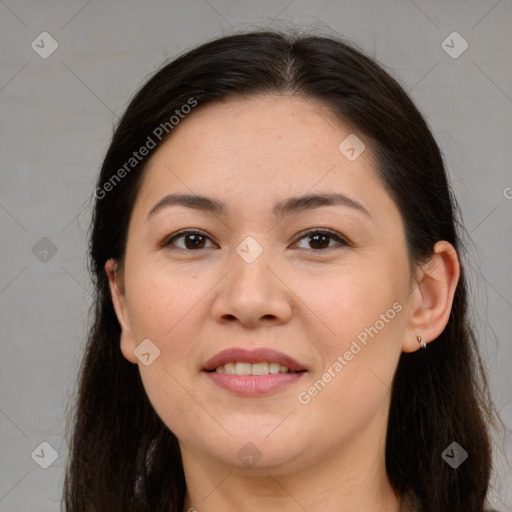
(349, 300)
(161, 309)
(358, 361)
(160, 299)
(365, 316)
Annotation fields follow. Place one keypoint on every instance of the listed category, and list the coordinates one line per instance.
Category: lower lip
(254, 385)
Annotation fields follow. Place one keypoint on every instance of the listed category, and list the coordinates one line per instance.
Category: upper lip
(258, 355)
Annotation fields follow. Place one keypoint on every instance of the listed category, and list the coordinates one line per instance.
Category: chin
(255, 452)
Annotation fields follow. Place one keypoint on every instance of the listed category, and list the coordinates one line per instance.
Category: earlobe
(433, 296)
(127, 342)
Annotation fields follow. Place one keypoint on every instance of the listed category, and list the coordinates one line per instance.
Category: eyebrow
(281, 209)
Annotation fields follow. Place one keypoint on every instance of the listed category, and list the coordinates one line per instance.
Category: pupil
(315, 237)
(195, 244)
(198, 241)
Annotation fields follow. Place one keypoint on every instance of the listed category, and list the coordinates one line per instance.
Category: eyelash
(323, 231)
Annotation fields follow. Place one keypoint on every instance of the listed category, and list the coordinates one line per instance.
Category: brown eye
(319, 239)
(192, 240)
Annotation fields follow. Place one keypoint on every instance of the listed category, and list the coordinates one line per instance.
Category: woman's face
(251, 277)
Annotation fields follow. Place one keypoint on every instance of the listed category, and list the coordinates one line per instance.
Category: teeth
(263, 368)
(230, 368)
(243, 368)
(274, 367)
(259, 369)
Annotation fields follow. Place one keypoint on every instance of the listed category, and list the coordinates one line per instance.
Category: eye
(192, 240)
(320, 237)
(196, 240)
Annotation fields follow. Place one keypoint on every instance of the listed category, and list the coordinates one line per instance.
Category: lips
(259, 355)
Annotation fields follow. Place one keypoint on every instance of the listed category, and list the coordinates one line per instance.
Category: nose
(253, 293)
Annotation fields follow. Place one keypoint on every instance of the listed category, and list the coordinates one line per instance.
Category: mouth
(262, 368)
(253, 373)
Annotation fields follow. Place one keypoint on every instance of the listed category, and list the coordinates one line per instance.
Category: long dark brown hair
(122, 457)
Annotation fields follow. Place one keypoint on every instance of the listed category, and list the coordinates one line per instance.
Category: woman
(280, 321)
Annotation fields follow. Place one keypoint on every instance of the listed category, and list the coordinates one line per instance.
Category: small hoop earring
(423, 344)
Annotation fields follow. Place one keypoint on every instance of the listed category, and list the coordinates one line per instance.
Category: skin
(296, 297)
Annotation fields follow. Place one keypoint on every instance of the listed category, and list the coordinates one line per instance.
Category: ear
(432, 298)
(127, 341)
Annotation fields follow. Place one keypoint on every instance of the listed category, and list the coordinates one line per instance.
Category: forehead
(273, 123)
(256, 151)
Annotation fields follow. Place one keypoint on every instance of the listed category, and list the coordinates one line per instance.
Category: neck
(350, 477)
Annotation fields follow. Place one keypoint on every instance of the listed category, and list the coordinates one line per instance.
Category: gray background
(56, 122)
